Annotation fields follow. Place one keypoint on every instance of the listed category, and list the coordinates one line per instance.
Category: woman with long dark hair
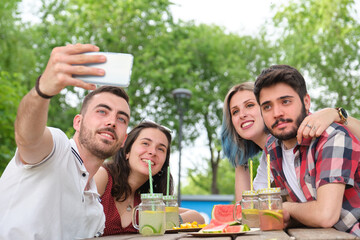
(121, 180)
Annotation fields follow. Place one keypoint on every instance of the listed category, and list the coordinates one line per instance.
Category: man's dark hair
(109, 89)
(280, 74)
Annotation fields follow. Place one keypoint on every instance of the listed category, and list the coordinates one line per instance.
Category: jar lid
(249, 193)
(151, 195)
(269, 190)
(170, 197)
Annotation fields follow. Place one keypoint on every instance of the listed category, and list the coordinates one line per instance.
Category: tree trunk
(214, 170)
(214, 161)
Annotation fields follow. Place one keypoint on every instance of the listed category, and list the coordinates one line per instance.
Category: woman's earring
(160, 173)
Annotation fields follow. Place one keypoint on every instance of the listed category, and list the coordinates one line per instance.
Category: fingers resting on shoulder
(315, 124)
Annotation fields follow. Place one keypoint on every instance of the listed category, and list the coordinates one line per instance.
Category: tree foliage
(206, 61)
(11, 92)
(321, 38)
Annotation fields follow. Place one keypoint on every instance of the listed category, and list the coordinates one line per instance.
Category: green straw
(150, 177)
(168, 181)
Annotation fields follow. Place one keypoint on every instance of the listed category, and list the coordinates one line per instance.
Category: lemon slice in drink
(246, 213)
(170, 225)
(147, 230)
(274, 214)
(172, 209)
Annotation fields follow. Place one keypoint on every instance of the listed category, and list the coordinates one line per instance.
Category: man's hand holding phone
(78, 65)
(117, 69)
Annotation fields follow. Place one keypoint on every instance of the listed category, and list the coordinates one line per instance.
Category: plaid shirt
(334, 157)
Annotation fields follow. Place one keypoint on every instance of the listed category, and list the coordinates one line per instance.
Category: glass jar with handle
(249, 209)
(151, 214)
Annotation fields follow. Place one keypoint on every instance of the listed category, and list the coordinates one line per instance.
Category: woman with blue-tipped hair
(243, 133)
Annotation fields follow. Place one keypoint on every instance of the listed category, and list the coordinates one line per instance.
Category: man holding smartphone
(47, 189)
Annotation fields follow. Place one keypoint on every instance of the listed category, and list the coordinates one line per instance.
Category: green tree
(205, 60)
(119, 26)
(17, 61)
(17, 55)
(11, 92)
(320, 37)
(115, 26)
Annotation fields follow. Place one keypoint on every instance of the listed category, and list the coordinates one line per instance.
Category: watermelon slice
(225, 213)
(237, 229)
(214, 227)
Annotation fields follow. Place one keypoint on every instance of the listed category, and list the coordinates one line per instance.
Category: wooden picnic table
(288, 234)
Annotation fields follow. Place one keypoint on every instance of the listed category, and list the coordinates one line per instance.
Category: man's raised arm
(33, 139)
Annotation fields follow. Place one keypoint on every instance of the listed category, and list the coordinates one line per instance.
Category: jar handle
(134, 214)
(235, 212)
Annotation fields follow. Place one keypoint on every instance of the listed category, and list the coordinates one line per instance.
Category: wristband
(38, 89)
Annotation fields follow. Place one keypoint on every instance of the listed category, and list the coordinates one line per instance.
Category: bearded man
(47, 189)
(321, 175)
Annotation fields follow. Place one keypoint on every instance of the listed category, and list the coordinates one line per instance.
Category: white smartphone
(117, 69)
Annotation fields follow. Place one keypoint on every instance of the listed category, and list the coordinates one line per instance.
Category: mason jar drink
(249, 208)
(270, 209)
(172, 211)
(151, 215)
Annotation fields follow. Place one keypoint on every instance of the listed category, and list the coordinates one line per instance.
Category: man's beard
(88, 141)
(292, 134)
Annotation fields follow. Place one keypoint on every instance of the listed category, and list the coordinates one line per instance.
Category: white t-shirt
(289, 172)
(261, 177)
(48, 200)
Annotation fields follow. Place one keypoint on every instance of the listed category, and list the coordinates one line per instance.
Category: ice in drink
(250, 208)
(151, 222)
(271, 220)
(270, 209)
(250, 217)
(172, 217)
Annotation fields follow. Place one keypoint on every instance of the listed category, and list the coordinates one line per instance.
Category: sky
(237, 16)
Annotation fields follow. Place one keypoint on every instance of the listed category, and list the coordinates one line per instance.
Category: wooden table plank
(292, 234)
(207, 238)
(170, 236)
(319, 234)
(279, 235)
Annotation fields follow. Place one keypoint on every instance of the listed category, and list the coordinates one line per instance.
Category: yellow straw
(251, 175)
(268, 173)
(268, 170)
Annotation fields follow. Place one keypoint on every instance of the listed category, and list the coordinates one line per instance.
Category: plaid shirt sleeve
(337, 157)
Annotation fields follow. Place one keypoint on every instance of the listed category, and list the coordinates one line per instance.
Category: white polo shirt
(48, 200)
